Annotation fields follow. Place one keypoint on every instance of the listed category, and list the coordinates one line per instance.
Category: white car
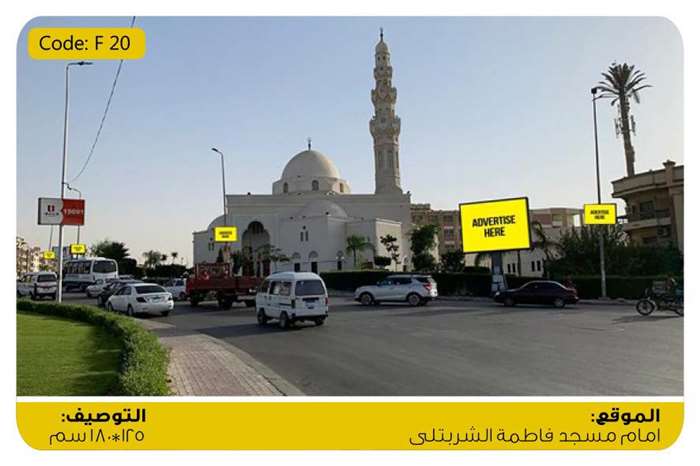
(37, 285)
(290, 297)
(416, 290)
(137, 298)
(176, 287)
(96, 288)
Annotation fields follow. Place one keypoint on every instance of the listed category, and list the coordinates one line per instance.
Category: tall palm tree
(543, 242)
(356, 244)
(621, 83)
(174, 255)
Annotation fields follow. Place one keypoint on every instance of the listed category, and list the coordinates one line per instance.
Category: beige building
(653, 205)
(449, 234)
(29, 258)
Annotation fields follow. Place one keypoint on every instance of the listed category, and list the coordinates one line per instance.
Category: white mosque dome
(321, 208)
(310, 163)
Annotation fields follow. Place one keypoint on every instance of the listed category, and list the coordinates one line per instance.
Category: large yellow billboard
(600, 214)
(499, 225)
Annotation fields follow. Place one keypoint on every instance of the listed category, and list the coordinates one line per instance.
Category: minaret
(385, 126)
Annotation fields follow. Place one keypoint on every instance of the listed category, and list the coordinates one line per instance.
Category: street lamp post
(223, 186)
(601, 245)
(80, 196)
(59, 292)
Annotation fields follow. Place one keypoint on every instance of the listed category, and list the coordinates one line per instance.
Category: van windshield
(46, 278)
(309, 288)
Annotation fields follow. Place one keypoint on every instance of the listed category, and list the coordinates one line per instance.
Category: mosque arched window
(342, 188)
(285, 188)
(314, 185)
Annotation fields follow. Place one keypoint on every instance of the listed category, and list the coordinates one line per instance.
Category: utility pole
(601, 244)
(59, 266)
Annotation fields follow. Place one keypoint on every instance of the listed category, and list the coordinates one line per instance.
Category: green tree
(173, 256)
(153, 258)
(622, 83)
(273, 254)
(452, 261)
(389, 243)
(355, 244)
(541, 241)
(110, 250)
(422, 243)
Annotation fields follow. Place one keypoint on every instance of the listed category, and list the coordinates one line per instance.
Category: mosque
(312, 210)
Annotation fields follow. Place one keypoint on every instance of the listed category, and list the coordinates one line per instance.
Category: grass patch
(61, 357)
(142, 368)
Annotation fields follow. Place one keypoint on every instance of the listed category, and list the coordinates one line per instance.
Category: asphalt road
(460, 348)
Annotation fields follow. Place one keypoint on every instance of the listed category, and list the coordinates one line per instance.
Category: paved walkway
(201, 365)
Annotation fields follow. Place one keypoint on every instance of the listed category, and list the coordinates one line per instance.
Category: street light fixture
(59, 293)
(601, 245)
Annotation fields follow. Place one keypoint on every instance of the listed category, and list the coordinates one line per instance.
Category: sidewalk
(201, 365)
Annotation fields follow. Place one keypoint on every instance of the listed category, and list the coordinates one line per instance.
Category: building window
(539, 266)
(301, 236)
(306, 235)
(339, 265)
(285, 188)
(342, 188)
(297, 267)
(314, 185)
(532, 266)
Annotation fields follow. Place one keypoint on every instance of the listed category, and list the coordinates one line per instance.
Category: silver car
(416, 290)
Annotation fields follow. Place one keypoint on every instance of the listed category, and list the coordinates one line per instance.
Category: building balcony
(649, 219)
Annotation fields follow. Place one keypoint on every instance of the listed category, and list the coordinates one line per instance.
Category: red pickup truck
(217, 280)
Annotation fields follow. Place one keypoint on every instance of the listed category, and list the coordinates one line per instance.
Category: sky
(490, 108)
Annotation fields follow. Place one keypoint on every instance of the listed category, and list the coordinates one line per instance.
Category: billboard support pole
(601, 244)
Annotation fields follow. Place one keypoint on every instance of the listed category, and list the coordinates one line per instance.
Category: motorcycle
(660, 302)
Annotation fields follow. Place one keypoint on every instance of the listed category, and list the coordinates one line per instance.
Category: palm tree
(152, 258)
(543, 242)
(621, 83)
(174, 255)
(356, 244)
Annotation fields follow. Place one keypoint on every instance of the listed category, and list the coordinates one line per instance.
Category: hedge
(144, 362)
(479, 284)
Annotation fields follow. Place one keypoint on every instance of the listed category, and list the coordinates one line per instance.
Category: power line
(104, 115)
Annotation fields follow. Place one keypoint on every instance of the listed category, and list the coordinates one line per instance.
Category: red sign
(73, 212)
(53, 211)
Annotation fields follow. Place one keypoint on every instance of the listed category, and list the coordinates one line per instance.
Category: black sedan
(110, 289)
(538, 292)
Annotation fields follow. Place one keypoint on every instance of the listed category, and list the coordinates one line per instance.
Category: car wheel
(53, 297)
(109, 307)
(249, 303)
(509, 302)
(262, 317)
(366, 299)
(413, 299)
(130, 311)
(319, 321)
(559, 303)
(165, 313)
(284, 320)
(182, 296)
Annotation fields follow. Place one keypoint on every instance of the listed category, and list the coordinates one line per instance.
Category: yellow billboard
(78, 249)
(225, 234)
(498, 225)
(600, 214)
(49, 255)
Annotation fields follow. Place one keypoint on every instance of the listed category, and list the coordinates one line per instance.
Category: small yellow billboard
(225, 234)
(49, 255)
(600, 214)
(78, 249)
(499, 225)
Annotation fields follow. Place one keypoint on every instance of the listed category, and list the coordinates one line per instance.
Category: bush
(144, 362)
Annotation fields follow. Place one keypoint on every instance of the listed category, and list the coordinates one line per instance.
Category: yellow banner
(225, 234)
(600, 214)
(350, 425)
(78, 249)
(86, 43)
(500, 225)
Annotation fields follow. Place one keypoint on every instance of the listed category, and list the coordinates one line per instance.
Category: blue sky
(490, 108)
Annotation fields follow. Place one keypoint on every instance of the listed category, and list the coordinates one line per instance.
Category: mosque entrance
(255, 243)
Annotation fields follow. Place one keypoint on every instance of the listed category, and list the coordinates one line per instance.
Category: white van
(290, 297)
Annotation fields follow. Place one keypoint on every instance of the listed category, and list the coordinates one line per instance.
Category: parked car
(37, 285)
(91, 291)
(538, 292)
(416, 290)
(176, 287)
(141, 298)
(110, 288)
(291, 297)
